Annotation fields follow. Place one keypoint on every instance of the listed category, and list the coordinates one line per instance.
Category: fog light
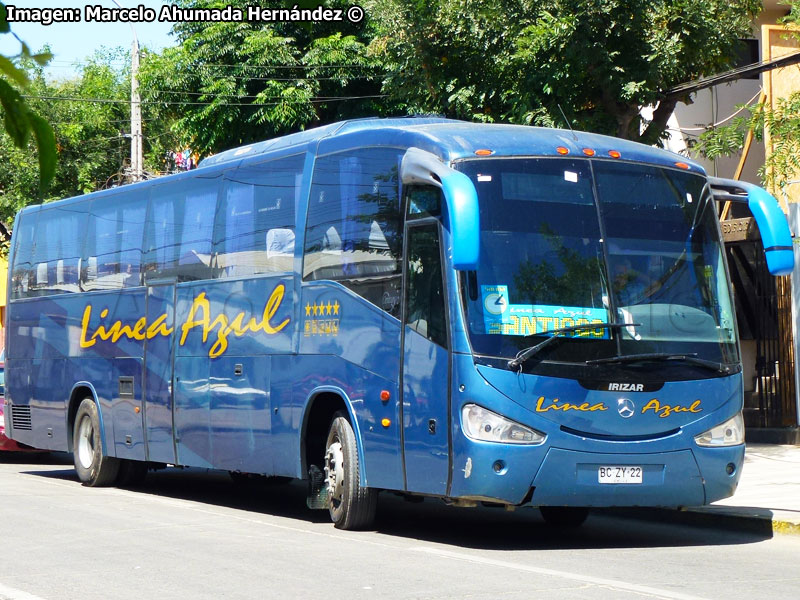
(730, 469)
(499, 467)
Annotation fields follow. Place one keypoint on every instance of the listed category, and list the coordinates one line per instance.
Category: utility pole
(136, 110)
(136, 114)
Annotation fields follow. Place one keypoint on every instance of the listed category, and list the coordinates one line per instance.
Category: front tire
(350, 505)
(93, 468)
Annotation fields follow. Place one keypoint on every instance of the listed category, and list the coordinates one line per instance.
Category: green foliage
(725, 140)
(18, 118)
(88, 134)
(228, 84)
(519, 60)
(781, 121)
(783, 124)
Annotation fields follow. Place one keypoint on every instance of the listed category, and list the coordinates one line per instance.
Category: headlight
(730, 433)
(486, 426)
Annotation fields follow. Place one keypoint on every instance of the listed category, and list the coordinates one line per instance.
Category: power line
(95, 123)
(232, 65)
(252, 104)
(212, 94)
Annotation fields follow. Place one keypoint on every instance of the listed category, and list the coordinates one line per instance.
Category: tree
(88, 114)
(228, 84)
(524, 61)
(781, 121)
(18, 118)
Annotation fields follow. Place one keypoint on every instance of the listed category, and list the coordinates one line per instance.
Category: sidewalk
(768, 493)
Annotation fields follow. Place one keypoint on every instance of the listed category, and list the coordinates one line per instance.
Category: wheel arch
(81, 390)
(320, 406)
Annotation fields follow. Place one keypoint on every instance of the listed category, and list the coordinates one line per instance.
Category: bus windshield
(568, 242)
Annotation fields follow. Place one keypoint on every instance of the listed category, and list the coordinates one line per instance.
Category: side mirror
(421, 167)
(769, 217)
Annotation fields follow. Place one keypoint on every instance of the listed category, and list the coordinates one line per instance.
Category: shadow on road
(432, 521)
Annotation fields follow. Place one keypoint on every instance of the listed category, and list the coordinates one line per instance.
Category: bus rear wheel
(93, 468)
(565, 517)
(351, 505)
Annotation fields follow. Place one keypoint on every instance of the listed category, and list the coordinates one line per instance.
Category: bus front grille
(21, 417)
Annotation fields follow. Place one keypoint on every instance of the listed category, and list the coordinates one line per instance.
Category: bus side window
(254, 230)
(425, 311)
(179, 229)
(112, 254)
(424, 201)
(353, 228)
(25, 234)
(57, 251)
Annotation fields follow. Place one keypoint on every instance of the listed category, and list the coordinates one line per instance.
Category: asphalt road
(196, 535)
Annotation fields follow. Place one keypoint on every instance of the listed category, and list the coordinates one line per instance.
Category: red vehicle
(6, 444)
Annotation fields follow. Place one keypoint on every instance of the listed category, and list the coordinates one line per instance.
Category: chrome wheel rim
(334, 473)
(86, 442)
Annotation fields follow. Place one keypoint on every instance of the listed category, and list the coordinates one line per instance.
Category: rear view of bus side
(473, 312)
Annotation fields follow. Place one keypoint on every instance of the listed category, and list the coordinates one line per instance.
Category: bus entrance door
(159, 351)
(425, 364)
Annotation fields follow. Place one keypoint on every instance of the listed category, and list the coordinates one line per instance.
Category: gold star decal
(308, 309)
(336, 307)
(328, 308)
(316, 308)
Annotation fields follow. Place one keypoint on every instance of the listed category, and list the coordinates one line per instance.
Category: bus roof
(449, 139)
(452, 140)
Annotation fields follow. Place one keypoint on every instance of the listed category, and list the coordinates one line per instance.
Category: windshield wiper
(690, 358)
(524, 355)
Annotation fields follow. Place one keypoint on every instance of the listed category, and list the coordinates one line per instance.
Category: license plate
(619, 474)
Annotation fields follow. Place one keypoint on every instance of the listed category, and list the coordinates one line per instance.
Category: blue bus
(479, 313)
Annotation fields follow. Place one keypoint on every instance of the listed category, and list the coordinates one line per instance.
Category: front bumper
(550, 475)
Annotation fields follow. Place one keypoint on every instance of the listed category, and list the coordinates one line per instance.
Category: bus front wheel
(93, 468)
(351, 505)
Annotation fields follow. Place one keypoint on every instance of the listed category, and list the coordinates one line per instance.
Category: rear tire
(564, 517)
(350, 505)
(93, 468)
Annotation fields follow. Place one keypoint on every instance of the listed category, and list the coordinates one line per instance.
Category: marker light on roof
(681, 165)
(614, 154)
(588, 152)
(484, 152)
(562, 150)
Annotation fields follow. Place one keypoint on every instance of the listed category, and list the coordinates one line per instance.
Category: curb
(700, 517)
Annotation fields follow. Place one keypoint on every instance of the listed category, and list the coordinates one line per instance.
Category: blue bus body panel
(226, 333)
(379, 445)
(334, 321)
(349, 344)
(125, 413)
(425, 391)
(46, 360)
(158, 391)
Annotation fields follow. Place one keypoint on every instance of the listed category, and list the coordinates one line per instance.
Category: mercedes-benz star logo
(625, 408)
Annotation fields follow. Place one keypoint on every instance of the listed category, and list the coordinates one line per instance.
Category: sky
(71, 43)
